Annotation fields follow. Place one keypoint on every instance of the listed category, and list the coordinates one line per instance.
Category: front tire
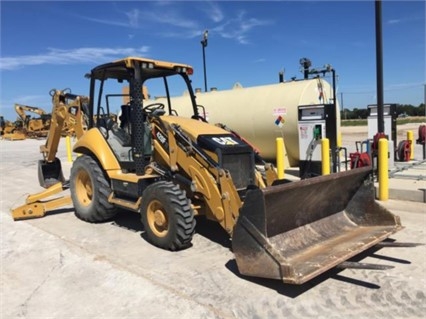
(90, 189)
(167, 216)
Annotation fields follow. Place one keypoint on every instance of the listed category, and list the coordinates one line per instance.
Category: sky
(53, 44)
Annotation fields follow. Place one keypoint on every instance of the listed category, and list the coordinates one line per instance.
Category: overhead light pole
(379, 67)
(204, 44)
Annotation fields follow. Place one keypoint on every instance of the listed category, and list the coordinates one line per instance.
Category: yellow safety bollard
(280, 157)
(410, 137)
(325, 156)
(69, 152)
(383, 170)
(339, 139)
(339, 144)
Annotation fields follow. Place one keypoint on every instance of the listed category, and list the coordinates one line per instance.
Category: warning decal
(279, 121)
(303, 132)
(279, 111)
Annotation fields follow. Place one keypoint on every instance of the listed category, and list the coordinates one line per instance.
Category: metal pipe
(333, 73)
(424, 144)
(204, 66)
(379, 67)
(306, 71)
(204, 44)
(334, 146)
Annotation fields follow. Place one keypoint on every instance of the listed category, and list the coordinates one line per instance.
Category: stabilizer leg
(36, 207)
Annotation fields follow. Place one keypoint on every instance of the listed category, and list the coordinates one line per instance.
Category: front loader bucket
(50, 173)
(296, 231)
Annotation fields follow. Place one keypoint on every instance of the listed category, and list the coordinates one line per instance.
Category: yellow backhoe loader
(170, 169)
(13, 131)
(7, 127)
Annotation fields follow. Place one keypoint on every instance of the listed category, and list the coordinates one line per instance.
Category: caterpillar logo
(227, 140)
(161, 137)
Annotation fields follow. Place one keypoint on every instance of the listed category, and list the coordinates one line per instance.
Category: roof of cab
(118, 68)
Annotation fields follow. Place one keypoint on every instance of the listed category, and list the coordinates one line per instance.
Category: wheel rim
(157, 219)
(84, 189)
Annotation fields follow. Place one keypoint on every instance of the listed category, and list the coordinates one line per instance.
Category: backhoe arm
(63, 114)
(66, 109)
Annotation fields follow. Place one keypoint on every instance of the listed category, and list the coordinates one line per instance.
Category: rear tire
(90, 189)
(167, 216)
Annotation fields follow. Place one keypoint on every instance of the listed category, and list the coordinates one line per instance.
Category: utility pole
(204, 44)
(343, 109)
(379, 67)
(424, 145)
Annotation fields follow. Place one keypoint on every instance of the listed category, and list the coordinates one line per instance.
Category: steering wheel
(150, 108)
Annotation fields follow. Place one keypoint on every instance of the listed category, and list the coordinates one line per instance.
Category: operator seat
(125, 117)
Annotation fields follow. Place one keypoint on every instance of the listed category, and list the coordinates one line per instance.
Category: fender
(93, 142)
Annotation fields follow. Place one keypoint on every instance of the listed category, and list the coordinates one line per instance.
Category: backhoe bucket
(50, 173)
(296, 231)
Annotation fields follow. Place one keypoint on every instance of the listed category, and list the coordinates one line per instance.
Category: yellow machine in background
(6, 127)
(33, 126)
(171, 168)
(14, 131)
(28, 127)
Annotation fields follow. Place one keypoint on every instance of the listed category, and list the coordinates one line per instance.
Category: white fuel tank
(262, 113)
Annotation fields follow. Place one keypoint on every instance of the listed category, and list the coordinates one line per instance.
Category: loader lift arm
(224, 201)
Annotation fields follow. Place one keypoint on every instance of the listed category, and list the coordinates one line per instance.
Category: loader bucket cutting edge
(50, 173)
(296, 231)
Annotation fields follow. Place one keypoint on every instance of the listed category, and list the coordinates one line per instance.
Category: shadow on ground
(212, 231)
(128, 220)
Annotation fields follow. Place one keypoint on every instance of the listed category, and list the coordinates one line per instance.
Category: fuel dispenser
(389, 118)
(316, 122)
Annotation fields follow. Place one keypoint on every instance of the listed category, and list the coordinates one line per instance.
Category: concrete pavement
(61, 267)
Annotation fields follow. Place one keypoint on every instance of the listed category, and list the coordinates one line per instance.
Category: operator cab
(119, 91)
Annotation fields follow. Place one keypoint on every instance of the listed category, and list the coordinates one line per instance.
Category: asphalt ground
(61, 267)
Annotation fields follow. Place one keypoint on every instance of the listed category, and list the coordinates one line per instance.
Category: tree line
(402, 110)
